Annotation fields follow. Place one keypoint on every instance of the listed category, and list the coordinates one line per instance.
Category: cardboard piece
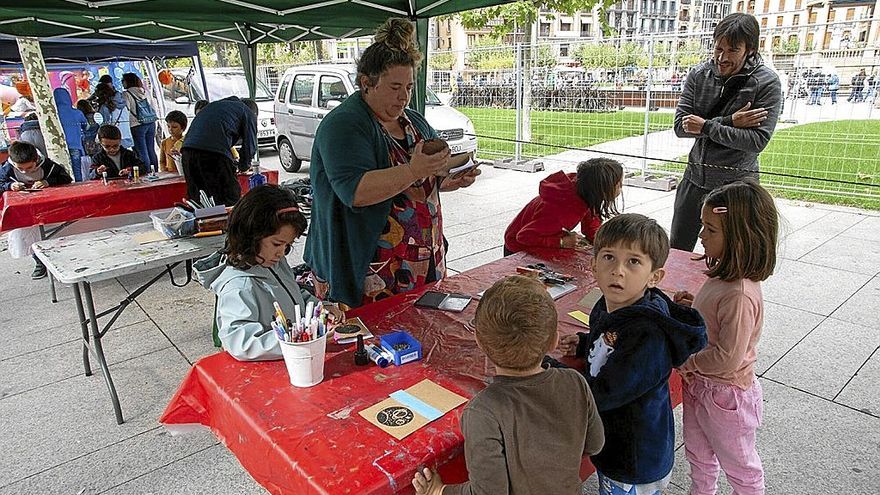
(408, 410)
(345, 333)
(590, 299)
(148, 237)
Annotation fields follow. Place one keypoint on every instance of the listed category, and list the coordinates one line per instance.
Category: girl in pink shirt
(722, 397)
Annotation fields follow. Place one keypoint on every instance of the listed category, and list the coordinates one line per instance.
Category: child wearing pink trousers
(722, 397)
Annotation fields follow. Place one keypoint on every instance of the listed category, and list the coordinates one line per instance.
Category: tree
(441, 61)
(661, 56)
(690, 54)
(596, 55)
(788, 47)
(545, 57)
(489, 53)
(523, 14)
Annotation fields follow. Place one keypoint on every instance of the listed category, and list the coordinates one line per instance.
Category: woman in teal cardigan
(377, 227)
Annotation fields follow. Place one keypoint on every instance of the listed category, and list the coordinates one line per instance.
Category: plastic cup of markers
(305, 361)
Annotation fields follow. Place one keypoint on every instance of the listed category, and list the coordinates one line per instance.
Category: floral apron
(410, 250)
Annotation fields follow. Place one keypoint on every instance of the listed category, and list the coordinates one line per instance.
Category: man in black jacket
(113, 158)
(206, 156)
(26, 169)
(729, 105)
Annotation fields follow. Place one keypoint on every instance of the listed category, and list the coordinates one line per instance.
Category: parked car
(182, 95)
(307, 93)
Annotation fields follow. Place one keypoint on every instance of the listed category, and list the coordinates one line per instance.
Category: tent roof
(62, 51)
(248, 21)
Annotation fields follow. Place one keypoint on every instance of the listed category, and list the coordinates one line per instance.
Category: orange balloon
(23, 88)
(165, 77)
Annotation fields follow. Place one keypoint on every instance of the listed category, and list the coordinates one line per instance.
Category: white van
(307, 93)
(182, 95)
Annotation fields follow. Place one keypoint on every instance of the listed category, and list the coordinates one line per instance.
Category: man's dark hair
(252, 105)
(200, 105)
(106, 79)
(108, 131)
(737, 29)
(22, 152)
(178, 117)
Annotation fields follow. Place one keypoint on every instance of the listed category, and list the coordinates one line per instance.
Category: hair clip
(719, 209)
(287, 210)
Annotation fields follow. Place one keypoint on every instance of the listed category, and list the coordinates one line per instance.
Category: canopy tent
(63, 54)
(89, 51)
(245, 22)
(217, 20)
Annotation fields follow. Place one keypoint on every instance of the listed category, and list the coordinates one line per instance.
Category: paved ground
(819, 362)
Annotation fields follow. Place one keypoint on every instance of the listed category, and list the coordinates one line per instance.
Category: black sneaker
(39, 272)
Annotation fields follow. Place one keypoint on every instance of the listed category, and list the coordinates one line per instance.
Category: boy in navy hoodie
(637, 335)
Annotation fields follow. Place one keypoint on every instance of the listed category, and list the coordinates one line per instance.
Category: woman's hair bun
(397, 33)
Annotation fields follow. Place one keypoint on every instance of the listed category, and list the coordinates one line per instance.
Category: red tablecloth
(312, 441)
(93, 199)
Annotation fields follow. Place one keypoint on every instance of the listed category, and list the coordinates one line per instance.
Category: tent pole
(420, 93)
(47, 112)
(200, 70)
(156, 87)
(248, 53)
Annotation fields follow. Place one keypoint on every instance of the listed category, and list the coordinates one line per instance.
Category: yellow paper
(581, 317)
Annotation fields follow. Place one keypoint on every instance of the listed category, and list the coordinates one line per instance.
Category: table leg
(83, 323)
(51, 278)
(99, 350)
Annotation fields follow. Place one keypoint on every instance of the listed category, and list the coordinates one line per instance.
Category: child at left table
(251, 273)
(114, 158)
(26, 169)
(170, 147)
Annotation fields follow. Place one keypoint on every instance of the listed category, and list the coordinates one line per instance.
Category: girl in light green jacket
(251, 273)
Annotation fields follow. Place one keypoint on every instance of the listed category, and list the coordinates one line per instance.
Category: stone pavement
(818, 361)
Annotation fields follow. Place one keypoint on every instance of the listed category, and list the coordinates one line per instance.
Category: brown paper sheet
(398, 420)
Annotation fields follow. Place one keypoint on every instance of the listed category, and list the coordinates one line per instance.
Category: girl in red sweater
(563, 201)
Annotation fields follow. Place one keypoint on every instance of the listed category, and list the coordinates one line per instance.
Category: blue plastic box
(413, 353)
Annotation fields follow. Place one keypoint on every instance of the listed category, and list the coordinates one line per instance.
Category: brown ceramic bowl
(432, 146)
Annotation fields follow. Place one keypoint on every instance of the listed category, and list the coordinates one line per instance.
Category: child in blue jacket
(637, 335)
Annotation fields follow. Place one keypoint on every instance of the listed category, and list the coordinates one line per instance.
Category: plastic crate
(403, 356)
(174, 229)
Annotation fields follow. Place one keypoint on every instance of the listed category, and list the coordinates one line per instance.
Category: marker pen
(310, 312)
(376, 356)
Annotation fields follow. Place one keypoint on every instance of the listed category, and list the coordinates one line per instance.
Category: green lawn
(569, 129)
(846, 150)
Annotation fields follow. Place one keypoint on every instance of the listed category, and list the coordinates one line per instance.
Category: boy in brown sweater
(527, 431)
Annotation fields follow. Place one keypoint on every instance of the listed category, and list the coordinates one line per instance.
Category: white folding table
(83, 259)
